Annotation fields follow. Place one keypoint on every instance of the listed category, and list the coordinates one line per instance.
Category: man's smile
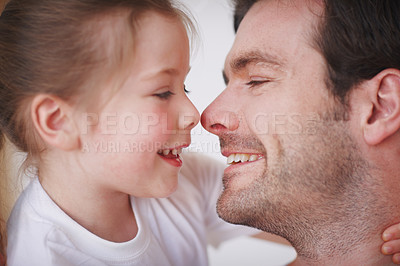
(236, 158)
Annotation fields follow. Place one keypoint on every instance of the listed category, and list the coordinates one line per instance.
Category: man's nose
(221, 115)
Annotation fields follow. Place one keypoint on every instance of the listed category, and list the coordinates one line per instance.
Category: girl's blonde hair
(8, 189)
(57, 47)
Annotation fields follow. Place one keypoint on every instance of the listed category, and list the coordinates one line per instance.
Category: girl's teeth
(174, 152)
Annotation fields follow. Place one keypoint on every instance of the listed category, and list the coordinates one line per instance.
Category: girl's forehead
(161, 41)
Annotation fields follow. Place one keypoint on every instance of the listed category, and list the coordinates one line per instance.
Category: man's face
(278, 121)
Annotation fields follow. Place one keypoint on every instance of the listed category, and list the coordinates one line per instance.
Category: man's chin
(232, 209)
(244, 198)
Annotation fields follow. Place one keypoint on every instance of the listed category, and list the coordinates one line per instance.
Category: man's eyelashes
(254, 83)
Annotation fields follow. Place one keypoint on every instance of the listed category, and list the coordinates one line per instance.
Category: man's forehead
(271, 26)
(276, 12)
(318, 4)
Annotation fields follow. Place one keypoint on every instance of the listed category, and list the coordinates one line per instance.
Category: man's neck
(357, 260)
(348, 231)
(366, 252)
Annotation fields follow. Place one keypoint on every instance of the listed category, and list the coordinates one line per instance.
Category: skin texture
(148, 112)
(314, 154)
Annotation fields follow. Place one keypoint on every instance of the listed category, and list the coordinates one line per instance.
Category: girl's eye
(165, 95)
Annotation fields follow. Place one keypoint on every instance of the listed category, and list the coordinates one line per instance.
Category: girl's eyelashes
(165, 95)
(184, 89)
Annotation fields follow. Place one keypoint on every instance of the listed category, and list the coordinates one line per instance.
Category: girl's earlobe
(384, 118)
(53, 120)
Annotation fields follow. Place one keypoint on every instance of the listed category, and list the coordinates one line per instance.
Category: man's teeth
(173, 152)
(242, 157)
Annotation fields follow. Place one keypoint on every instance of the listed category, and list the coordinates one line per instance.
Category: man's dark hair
(358, 39)
(241, 8)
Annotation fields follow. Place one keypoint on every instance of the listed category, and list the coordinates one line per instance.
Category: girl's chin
(168, 189)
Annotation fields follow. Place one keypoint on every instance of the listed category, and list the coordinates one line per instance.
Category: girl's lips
(172, 156)
(174, 160)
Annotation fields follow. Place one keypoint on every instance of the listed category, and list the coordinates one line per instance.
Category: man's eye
(165, 95)
(254, 83)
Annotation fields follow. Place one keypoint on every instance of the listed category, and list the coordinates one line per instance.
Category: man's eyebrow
(243, 60)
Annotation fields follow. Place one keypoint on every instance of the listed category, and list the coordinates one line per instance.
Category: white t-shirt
(172, 231)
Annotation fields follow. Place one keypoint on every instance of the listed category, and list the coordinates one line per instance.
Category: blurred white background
(215, 24)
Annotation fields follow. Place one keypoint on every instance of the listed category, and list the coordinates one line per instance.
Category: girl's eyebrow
(167, 71)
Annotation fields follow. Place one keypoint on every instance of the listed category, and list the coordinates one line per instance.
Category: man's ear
(53, 120)
(384, 98)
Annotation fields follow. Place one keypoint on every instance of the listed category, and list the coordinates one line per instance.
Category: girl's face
(131, 146)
